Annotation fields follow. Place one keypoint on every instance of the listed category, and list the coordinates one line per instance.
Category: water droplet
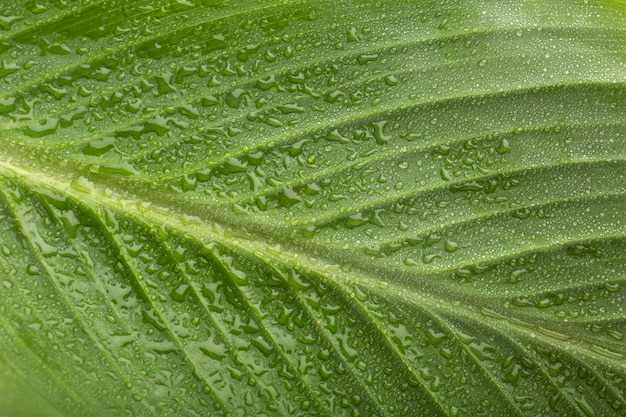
(99, 147)
(42, 128)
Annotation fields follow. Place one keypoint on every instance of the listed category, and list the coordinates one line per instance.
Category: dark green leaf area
(312, 208)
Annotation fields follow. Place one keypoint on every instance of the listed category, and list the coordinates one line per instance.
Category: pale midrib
(433, 305)
(390, 289)
(207, 233)
(214, 231)
(199, 232)
(436, 283)
(498, 259)
(230, 219)
(65, 189)
(530, 315)
(148, 217)
(613, 316)
(389, 154)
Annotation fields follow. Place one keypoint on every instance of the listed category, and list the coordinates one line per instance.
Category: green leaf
(335, 208)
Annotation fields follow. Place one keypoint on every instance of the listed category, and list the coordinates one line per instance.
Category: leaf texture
(333, 208)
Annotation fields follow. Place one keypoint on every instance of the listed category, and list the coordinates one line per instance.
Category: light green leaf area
(312, 207)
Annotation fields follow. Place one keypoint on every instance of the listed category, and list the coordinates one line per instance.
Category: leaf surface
(333, 208)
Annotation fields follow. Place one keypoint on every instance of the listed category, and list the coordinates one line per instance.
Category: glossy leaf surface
(334, 208)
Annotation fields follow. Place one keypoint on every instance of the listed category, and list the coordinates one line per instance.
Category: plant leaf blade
(258, 208)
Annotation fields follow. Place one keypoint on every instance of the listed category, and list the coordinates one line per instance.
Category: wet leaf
(335, 208)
